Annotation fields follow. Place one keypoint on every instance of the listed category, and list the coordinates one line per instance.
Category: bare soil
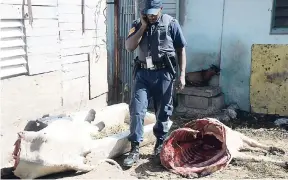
(260, 128)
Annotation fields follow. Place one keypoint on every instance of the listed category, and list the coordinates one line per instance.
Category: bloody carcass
(206, 145)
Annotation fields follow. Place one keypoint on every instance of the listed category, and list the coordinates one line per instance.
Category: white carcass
(59, 147)
(64, 144)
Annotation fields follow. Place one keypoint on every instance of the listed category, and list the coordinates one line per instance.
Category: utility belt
(156, 66)
(166, 63)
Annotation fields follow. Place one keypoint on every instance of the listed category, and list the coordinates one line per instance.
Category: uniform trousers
(156, 84)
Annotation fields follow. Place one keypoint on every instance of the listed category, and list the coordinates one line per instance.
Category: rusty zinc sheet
(269, 79)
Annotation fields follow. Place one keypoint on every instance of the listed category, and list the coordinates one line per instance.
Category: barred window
(280, 17)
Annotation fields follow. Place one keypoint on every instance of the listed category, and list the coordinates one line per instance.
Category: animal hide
(65, 143)
(205, 146)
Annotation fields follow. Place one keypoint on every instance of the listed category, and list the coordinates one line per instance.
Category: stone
(214, 81)
(207, 91)
(196, 102)
(281, 122)
(201, 102)
(217, 102)
(195, 113)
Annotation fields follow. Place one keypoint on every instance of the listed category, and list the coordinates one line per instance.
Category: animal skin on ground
(204, 146)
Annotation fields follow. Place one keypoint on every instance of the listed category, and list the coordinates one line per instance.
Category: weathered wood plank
(11, 11)
(43, 63)
(39, 66)
(70, 2)
(75, 70)
(18, 60)
(74, 51)
(9, 71)
(74, 59)
(64, 44)
(41, 23)
(47, 49)
(34, 32)
(8, 33)
(69, 9)
(76, 24)
(78, 73)
(10, 52)
(70, 26)
(92, 22)
(38, 2)
(75, 66)
(43, 58)
(78, 34)
(42, 41)
(12, 42)
(70, 18)
(42, 12)
(88, 3)
(10, 23)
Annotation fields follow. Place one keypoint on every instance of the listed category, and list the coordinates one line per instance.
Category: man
(159, 39)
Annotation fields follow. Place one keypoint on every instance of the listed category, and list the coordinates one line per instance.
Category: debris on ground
(282, 122)
(108, 131)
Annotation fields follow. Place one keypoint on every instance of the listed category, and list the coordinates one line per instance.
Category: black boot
(157, 151)
(133, 156)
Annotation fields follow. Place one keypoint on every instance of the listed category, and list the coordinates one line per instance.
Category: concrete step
(207, 91)
(194, 101)
(201, 102)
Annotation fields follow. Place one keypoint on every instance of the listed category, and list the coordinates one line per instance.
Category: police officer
(159, 39)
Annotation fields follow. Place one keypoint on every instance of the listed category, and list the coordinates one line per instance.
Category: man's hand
(181, 83)
(143, 21)
(132, 41)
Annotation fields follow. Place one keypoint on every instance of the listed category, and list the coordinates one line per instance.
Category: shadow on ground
(243, 120)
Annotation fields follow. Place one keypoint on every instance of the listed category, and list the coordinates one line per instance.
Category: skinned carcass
(205, 146)
(201, 78)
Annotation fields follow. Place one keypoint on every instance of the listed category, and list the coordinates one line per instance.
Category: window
(13, 54)
(280, 17)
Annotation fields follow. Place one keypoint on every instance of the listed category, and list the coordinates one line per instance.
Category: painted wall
(201, 22)
(246, 22)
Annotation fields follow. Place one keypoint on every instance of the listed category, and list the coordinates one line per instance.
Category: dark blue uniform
(161, 38)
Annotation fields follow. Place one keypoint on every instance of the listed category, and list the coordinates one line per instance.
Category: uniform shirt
(165, 41)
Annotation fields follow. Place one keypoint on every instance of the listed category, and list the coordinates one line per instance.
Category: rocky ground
(258, 127)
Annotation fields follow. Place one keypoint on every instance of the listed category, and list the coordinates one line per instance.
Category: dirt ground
(260, 128)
